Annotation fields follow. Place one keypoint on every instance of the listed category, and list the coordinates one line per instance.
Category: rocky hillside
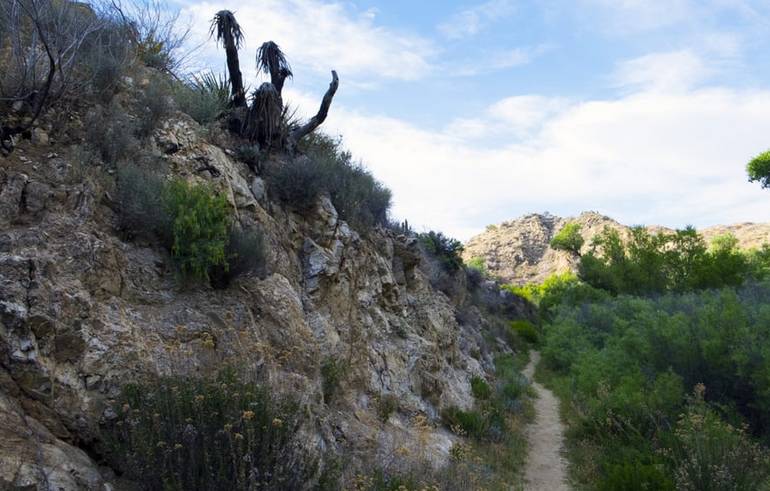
(518, 251)
(84, 310)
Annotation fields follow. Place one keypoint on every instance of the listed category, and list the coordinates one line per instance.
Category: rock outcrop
(83, 311)
(518, 251)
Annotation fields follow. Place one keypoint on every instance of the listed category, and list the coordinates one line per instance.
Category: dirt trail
(546, 469)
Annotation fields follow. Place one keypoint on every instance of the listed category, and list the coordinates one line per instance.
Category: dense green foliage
(489, 420)
(445, 249)
(200, 227)
(627, 365)
(650, 263)
(557, 289)
(568, 238)
(327, 168)
(192, 221)
(759, 169)
(525, 330)
(179, 434)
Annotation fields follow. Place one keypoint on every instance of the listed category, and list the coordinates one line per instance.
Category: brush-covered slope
(518, 251)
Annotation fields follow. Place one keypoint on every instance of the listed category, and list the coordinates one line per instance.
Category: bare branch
(300, 132)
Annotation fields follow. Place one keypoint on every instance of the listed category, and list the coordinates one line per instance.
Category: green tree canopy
(568, 238)
(759, 169)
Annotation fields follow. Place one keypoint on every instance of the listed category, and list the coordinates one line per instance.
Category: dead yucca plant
(264, 122)
(272, 61)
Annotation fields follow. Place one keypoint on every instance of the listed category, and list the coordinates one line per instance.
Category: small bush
(480, 388)
(153, 106)
(568, 238)
(477, 263)
(331, 375)
(711, 454)
(251, 156)
(140, 199)
(526, 330)
(180, 433)
(111, 135)
(636, 476)
(387, 405)
(297, 183)
(244, 252)
(200, 228)
(204, 97)
(357, 196)
(472, 423)
(446, 249)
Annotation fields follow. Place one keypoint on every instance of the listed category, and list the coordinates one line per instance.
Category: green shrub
(193, 222)
(244, 252)
(298, 183)
(477, 263)
(203, 97)
(472, 423)
(200, 228)
(387, 404)
(140, 200)
(445, 249)
(526, 330)
(152, 106)
(110, 133)
(623, 363)
(635, 476)
(759, 169)
(357, 196)
(480, 388)
(251, 156)
(712, 455)
(568, 238)
(181, 433)
(656, 263)
(331, 376)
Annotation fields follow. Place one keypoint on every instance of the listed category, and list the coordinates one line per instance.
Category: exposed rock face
(83, 311)
(518, 251)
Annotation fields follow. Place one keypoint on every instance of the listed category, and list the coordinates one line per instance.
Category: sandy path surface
(546, 469)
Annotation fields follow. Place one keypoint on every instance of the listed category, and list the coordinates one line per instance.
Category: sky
(475, 113)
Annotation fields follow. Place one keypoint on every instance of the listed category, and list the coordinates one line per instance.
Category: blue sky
(478, 112)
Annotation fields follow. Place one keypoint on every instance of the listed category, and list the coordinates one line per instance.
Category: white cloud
(498, 60)
(675, 70)
(649, 157)
(472, 20)
(630, 16)
(318, 36)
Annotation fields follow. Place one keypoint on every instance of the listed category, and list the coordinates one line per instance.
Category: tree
(568, 239)
(228, 32)
(759, 169)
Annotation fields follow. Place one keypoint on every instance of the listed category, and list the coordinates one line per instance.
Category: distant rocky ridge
(518, 251)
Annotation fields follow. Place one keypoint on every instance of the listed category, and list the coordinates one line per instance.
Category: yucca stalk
(264, 123)
(271, 60)
(228, 32)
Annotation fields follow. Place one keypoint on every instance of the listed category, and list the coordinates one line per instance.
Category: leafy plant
(568, 238)
(446, 249)
(203, 97)
(526, 330)
(184, 433)
(758, 169)
(200, 228)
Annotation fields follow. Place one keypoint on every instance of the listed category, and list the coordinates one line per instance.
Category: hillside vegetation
(199, 291)
(658, 349)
